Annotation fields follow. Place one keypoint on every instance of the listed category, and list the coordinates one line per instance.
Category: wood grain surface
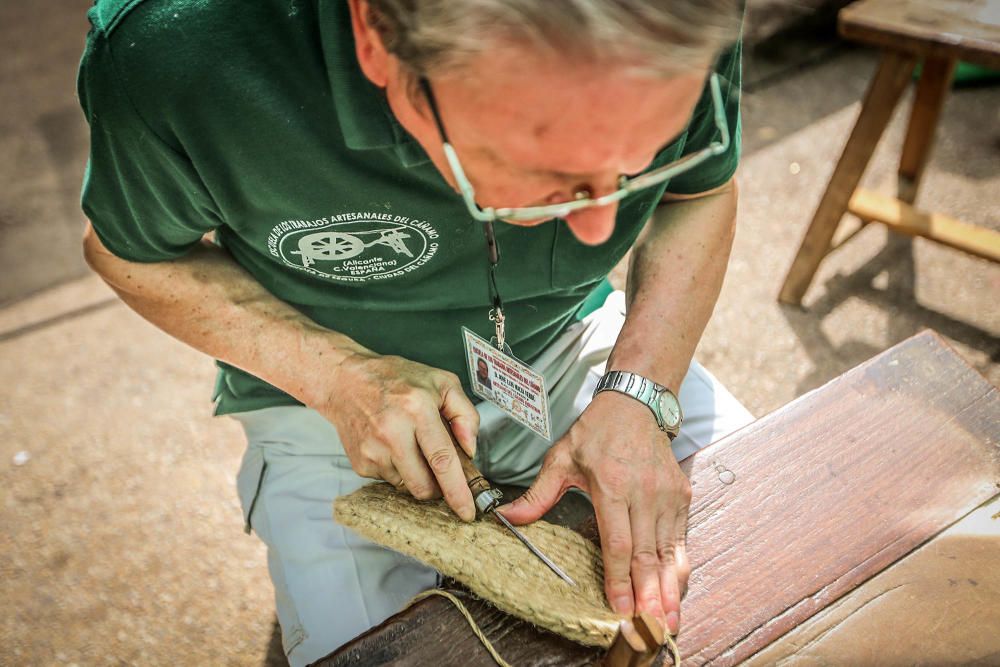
(831, 489)
(789, 514)
(966, 30)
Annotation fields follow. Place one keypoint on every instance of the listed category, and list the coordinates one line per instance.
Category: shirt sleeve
(142, 195)
(718, 169)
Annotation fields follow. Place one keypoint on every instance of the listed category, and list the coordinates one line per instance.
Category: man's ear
(372, 56)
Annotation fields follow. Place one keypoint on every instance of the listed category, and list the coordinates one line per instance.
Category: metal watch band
(625, 382)
(642, 389)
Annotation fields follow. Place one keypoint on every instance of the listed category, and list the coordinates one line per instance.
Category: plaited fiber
(490, 561)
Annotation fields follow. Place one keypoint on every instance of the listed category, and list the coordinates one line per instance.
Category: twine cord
(674, 651)
(468, 617)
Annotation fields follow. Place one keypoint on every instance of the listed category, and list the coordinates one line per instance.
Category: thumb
(547, 489)
(462, 418)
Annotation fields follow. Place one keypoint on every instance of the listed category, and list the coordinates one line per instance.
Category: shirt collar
(365, 118)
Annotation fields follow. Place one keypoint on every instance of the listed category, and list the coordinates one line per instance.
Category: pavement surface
(123, 540)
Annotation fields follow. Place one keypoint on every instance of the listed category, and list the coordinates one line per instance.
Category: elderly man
(347, 157)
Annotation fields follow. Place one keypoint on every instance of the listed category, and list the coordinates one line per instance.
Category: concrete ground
(122, 539)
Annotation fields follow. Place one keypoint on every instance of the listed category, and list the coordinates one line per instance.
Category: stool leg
(883, 94)
(935, 80)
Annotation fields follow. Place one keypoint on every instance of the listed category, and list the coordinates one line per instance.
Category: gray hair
(658, 37)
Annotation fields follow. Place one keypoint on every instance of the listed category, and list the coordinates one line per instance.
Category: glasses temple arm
(720, 113)
(425, 86)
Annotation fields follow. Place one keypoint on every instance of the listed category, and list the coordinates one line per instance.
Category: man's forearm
(209, 302)
(674, 279)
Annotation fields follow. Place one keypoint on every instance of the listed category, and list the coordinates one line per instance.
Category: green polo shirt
(253, 119)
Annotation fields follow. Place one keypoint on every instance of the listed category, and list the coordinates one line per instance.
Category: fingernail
(622, 605)
(673, 622)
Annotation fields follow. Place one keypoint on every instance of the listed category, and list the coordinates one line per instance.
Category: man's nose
(593, 226)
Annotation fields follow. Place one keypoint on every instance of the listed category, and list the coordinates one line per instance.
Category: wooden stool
(940, 32)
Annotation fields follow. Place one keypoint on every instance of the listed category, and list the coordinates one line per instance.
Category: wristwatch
(663, 403)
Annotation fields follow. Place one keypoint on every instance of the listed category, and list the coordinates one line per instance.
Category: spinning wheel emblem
(337, 247)
(328, 246)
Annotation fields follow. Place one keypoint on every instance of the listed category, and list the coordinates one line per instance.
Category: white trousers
(330, 584)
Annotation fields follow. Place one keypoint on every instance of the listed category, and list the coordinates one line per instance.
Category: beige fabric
(491, 562)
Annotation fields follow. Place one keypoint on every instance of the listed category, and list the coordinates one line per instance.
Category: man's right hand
(393, 415)
(399, 421)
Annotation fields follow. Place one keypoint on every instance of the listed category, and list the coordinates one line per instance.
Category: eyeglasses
(583, 199)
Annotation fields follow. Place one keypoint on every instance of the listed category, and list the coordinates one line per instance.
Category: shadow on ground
(893, 269)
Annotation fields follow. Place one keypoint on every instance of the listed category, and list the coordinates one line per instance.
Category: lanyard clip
(497, 317)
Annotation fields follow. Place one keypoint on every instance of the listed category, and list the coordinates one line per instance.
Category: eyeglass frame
(626, 186)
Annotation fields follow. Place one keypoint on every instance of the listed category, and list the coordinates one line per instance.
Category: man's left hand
(617, 454)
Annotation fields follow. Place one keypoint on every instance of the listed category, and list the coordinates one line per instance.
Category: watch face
(670, 410)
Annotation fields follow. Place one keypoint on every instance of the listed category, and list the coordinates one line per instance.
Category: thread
(468, 617)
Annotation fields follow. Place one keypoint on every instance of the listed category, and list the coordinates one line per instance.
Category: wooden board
(789, 514)
(832, 489)
(966, 30)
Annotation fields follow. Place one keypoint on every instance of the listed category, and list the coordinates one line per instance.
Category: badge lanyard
(496, 312)
(494, 373)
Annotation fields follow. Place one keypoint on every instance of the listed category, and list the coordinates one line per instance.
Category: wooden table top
(966, 30)
(789, 514)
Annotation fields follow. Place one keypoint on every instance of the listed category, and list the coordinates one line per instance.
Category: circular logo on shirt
(355, 247)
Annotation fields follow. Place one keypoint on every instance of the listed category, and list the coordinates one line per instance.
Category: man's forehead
(576, 123)
(519, 108)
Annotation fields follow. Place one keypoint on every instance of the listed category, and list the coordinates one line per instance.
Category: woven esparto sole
(490, 561)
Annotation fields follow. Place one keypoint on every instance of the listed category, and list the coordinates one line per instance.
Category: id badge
(507, 383)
